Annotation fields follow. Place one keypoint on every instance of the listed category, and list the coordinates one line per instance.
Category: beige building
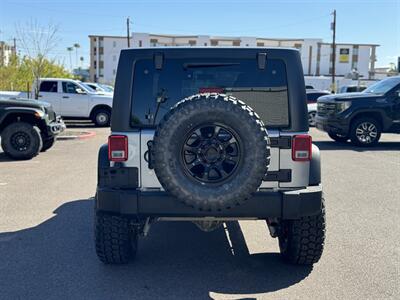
(316, 55)
(6, 52)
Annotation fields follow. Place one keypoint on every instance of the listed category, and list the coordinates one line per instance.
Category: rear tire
(301, 241)
(48, 143)
(338, 138)
(102, 117)
(365, 132)
(116, 242)
(211, 151)
(21, 140)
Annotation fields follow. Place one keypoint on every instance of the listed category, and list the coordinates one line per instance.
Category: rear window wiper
(208, 65)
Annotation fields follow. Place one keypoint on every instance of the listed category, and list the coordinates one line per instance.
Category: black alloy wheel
(211, 153)
(20, 141)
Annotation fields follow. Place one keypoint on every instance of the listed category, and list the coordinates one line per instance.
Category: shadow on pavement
(56, 259)
(4, 157)
(79, 123)
(381, 146)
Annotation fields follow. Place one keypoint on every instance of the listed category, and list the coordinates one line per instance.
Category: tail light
(117, 148)
(301, 147)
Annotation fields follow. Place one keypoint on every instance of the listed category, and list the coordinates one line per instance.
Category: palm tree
(76, 46)
(70, 49)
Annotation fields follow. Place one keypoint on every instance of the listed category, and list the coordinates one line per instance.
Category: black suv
(209, 135)
(361, 117)
(27, 127)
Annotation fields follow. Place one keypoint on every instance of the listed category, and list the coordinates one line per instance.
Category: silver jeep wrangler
(209, 135)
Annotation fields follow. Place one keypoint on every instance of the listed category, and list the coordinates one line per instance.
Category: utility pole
(127, 32)
(333, 27)
(15, 45)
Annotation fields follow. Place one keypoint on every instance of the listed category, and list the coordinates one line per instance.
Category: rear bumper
(332, 124)
(264, 204)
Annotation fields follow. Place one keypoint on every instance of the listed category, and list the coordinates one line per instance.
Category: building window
(205, 44)
(247, 45)
(153, 42)
(101, 50)
(214, 43)
(355, 50)
(140, 43)
(114, 44)
(192, 42)
(95, 64)
(260, 44)
(236, 43)
(297, 46)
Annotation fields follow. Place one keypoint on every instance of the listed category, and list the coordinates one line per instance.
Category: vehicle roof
(225, 52)
(56, 79)
(208, 48)
(310, 91)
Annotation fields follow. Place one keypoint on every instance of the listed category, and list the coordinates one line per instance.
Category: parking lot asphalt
(47, 251)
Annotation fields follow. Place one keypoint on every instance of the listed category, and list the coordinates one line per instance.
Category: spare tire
(211, 151)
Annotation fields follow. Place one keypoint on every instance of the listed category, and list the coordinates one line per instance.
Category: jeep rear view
(209, 135)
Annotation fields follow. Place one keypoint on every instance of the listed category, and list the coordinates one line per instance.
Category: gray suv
(209, 135)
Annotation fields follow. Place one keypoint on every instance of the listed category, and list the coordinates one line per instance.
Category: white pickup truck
(71, 99)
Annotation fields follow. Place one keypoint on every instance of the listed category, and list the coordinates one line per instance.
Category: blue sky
(366, 21)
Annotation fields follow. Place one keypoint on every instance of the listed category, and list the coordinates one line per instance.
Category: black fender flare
(23, 111)
(102, 160)
(315, 166)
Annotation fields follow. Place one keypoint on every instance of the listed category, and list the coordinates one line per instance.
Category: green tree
(18, 75)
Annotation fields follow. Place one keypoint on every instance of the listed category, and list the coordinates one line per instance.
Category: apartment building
(316, 55)
(6, 52)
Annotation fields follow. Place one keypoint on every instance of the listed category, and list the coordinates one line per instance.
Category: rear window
(264, 90)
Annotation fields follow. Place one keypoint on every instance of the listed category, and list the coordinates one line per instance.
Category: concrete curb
(84, 135)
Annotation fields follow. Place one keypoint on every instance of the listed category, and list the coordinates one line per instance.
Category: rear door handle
(65, 97)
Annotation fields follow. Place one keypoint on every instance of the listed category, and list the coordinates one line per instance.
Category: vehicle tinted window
(69, 87)
(263, 90)
(48, 86)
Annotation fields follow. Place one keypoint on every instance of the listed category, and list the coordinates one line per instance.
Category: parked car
(351, 89)
(312, 96)
(209, 135)
(27, 127)
(361, 117)
(100, 88)
(309, 87)
(71, 99)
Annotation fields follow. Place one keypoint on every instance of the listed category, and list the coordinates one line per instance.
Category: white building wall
(364, 53)
(325, 63)
(140, 39)
(112, 49)
(248, 41)
(203, 40)
(113, 45)
(305, 55)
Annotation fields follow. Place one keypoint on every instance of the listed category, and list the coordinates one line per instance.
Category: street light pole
(334, 49)
(127, 32)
